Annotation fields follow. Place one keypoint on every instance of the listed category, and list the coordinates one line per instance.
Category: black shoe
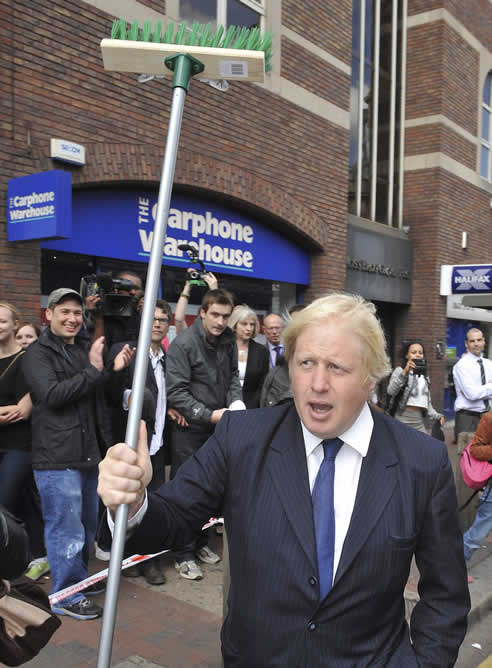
(83, 609)
(152, 572)
(131, 572)
(95, 589)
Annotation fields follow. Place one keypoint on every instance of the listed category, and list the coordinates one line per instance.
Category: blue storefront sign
(471, 279)
(119, 224)
(39, 206)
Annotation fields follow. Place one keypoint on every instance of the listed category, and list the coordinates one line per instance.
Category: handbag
(437, 431)
(26, 621)
(476, 472)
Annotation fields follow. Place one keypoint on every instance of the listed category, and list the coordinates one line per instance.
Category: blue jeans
(69, 501)
(481, 526)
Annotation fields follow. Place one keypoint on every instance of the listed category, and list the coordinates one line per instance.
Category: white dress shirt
(347, 471)
(160, 413)
(470, 393)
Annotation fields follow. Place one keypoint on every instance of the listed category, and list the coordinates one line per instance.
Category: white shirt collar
(358, 436)
(159, 356)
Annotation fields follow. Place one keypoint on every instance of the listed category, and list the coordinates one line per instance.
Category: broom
(234, 54)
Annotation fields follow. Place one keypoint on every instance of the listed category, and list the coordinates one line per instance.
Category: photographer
(110, 306)
(409, 388)
(194, 277)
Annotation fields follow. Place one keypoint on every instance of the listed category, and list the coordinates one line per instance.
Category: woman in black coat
(253, 360)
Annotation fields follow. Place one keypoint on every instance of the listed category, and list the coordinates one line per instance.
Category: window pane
(487, 89)
(369, 29)
(240, 15)
(484, 162)
(203, 11)
(485, 124)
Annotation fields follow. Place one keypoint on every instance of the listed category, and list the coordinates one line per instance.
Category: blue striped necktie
(324, 514)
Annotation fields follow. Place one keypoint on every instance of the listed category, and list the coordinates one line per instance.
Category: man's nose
(320, 379)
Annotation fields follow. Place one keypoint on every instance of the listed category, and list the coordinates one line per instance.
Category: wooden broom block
(148, 58)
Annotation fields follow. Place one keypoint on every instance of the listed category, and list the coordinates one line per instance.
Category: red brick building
(371, 185)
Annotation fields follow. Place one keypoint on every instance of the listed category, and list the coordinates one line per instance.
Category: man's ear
(48, 314)
(202, 313)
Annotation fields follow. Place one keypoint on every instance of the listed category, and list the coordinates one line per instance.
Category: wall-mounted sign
(67, 151)
(471, 278)
(39, 206)
(455, 308)
(119, 224)
(379, 266)
(466, 279)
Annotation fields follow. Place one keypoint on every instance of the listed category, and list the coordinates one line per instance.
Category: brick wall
(443, 78)
(326, 24)
(315, 74)
(475, 15)
(435, 137)
(157, 5)
(248, 143)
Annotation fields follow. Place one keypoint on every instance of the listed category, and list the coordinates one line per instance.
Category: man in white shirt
(473, 383)
(325, 502)
(154, 412)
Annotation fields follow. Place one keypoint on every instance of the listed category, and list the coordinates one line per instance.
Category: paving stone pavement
(175, 625)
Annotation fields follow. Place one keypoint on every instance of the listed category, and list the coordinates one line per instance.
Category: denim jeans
(69, 501)
(481, 526)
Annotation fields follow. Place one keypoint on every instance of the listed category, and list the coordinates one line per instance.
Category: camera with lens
(195, 276)
(110, 303)
(420, 367)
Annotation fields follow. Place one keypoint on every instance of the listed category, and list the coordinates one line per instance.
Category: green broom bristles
(250, 39)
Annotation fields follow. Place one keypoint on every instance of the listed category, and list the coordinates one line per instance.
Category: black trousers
(184, 444)
(465, 422)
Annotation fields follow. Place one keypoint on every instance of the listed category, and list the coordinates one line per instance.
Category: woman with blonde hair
(15, 410)
(252, 357)
(17, 491)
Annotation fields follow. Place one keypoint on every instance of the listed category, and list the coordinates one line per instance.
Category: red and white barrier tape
(126, 563)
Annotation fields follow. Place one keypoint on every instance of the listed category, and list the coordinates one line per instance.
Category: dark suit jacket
(257, 368)
(254, 466)
(123, 380)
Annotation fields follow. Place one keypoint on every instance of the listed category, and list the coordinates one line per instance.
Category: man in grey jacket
(202, 384)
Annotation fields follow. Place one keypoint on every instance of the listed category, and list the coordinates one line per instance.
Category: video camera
(111, 303)
(195, 276)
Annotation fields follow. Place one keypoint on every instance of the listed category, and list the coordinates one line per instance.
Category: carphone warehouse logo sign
(39, 206)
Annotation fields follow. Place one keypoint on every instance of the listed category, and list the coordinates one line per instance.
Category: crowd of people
(64, 400)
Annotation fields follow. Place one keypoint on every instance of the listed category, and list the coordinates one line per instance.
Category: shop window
(248, 13)
(486, 136)
(377, 110)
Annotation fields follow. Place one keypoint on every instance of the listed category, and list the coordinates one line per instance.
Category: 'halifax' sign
(119, 224)
(466, 279)
(39, 206)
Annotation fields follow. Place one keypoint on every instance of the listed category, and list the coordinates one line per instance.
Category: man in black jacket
(202, 384)
(70, 429)
(153, 413)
